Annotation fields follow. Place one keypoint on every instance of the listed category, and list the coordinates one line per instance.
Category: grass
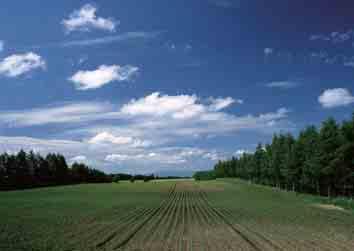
(225, 214)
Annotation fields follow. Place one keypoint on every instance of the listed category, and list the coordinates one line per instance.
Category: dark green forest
(28, 170)
(318, 161)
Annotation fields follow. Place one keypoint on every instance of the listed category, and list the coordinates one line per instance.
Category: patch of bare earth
(329, 207)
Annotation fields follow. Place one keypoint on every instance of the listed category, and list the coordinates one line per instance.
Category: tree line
(29, 170)
(318, 161)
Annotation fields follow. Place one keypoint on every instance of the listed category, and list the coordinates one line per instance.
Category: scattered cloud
(19, 64)
(349, 63)
(78, 159)
(85, 19)
(319, 37)
(188, 47)
(112, 158)
(104, 74)
(2, 45)
(283, 84)
(187, 115)
(140, 132)
(66, 113)
(335, 98)
(178, 107)
(241, 152)
(111, 39)
(334, 37)
(117, 157)
(218, 104)
(167, 156)
(82, 60)
(108, 138)
(268, 51)
(155, 119)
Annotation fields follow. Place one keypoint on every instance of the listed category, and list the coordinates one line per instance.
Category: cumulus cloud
(218, 104)
(154, 119)
(19, 64)
(177, 107)
(152, 157)
(104, 74)
(79, 159)
(139, 139)
(167, 156)
(181, 106)
(331, 98)
(140, 132)
(108, 138)
(117, 157)
(241, 152)
(177, 117)
(268, 51)
(85, 19)
(283, 84)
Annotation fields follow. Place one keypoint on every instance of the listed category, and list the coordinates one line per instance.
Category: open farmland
(175, 215)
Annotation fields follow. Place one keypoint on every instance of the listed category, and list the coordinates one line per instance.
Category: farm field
(171, 215)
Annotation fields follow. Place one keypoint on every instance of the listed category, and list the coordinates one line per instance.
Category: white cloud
(117, 157)
(188, 115)
(19, 64)
(334, 37)
(188, 47)
(85, 19)
(177, 107)
(240, 152)
(112, 158)
(2, 45)
(139, 132)
(319, 37)
(349, 63)
(218, 104)
(268, 51)
(283, 84)
(335, 97)
(152, 157)
(152, 120)
(108, 138)
(66, 113)
(167, 156)
(212, 156)
(110, 39)
(79, 159)
(85, 80)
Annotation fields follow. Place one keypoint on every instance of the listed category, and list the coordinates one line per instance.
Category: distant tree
(320, 162)
(115, 179)
(330, 141)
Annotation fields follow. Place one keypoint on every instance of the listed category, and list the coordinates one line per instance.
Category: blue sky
(169, 87)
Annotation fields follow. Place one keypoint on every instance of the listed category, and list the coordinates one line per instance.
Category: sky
(169, 87)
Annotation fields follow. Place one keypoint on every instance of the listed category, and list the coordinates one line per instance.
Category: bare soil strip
(193, 223)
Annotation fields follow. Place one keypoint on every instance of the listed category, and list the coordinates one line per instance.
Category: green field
(171, 215)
